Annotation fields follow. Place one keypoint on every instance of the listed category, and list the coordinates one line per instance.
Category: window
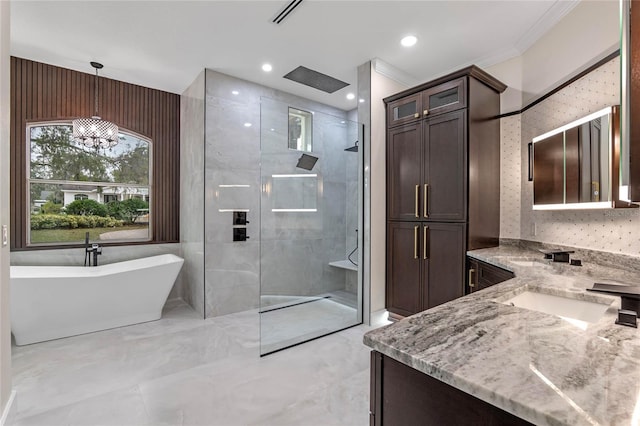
(300, 130)
(110, 197)
(74, 189)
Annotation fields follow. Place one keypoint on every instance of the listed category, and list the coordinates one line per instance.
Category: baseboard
(9, 412)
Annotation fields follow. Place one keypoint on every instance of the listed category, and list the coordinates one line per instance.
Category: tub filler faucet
(89, 249)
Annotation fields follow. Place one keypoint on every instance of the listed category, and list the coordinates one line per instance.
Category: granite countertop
(536, 366)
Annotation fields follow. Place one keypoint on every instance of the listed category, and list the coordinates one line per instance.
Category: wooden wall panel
(41, 92)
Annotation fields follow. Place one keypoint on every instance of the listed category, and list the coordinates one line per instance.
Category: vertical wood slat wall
(41, 92)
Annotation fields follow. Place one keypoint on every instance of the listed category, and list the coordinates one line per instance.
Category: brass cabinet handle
(416, 115)
(425, 112)
(417, 195)
(471, 283)
(415, 242)
(425, 237)
(426, 200)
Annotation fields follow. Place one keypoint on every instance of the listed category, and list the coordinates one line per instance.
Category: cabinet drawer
(449, 96)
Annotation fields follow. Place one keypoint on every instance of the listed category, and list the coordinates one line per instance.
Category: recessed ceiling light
(235, 92)
(266, 67)
(351, 96)
(361, 100)
(247, 124)
(409, 41)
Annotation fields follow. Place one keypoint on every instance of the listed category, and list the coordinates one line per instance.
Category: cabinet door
(403, 268)
(405, 110)
(444, 262)
(449, 96)
(445, 172)
(404, 153)
(489, 275)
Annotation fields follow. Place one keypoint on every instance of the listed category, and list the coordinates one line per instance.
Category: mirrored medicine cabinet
(576, 166)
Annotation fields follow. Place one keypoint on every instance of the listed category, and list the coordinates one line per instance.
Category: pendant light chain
(96, 91)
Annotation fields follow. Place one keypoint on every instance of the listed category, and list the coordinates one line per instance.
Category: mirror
(573, 165)
(300, 130)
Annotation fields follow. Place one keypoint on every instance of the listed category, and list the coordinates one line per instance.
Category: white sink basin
(578, 312)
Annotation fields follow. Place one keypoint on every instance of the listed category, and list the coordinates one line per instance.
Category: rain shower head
(306, 162)
(353, 148)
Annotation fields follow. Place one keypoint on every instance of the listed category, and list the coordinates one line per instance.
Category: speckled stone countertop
(536, 366)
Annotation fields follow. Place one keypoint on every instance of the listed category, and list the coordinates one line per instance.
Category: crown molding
(396, 74)
(550, 18)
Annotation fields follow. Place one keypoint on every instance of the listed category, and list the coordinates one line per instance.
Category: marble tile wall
(510, 166)
(192, 192)
(604, 230)
(294, 244)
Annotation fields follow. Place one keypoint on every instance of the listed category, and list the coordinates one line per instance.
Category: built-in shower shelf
(344, 264)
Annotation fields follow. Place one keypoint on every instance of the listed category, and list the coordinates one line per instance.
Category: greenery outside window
(74, 189)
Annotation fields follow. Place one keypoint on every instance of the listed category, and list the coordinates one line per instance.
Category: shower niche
(309, 217)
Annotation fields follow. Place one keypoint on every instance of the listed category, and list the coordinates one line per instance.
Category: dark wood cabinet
(481, 275)
(404, 267)
(427, 175)
(445, 97)
(445, 172)
(405, 110)
(445, 252)
(423, 261)
(401, 395)
(404, 179)
(439, 99)
(443, 186)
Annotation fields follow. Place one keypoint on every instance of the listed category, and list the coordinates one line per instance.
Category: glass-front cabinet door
(446, 97)
(404, 110)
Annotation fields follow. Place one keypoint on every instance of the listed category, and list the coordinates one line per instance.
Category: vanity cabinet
(481, 275)
(443, 173)
(401, 395)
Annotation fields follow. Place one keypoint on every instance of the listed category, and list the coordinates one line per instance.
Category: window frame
(29, 180)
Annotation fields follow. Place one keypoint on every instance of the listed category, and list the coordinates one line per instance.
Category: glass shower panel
(309, 219)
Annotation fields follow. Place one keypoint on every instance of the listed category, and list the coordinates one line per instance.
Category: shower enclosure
(310, 214)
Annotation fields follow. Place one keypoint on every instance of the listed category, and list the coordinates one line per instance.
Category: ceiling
(166, 44)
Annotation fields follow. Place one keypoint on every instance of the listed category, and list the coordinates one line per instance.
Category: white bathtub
(49, 302)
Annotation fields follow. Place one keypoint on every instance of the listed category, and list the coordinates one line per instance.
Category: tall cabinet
(443, 186)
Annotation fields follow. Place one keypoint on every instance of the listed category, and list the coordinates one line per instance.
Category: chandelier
(95, 132)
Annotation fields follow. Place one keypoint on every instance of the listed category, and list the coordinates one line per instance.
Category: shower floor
(289, 320)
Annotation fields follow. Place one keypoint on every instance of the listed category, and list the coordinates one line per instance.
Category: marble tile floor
(182, 370)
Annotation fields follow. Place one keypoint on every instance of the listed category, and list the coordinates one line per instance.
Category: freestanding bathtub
(49, 302)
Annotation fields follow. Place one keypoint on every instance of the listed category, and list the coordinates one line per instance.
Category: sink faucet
(629, 301)
(557, 255)
(95, 249)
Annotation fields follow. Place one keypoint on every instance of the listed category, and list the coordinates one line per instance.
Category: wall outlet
(534, 229)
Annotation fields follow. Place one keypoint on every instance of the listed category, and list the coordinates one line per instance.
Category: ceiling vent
(286, 11)
(315, 79)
